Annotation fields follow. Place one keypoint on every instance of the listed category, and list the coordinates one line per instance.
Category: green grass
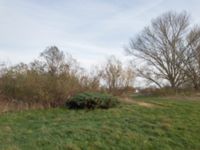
(171, 124)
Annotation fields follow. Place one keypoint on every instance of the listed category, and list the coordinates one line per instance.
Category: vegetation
(169, 50)
(143, 123)
(91, 100)
(54, 77)
(117, 78)
(49, 80)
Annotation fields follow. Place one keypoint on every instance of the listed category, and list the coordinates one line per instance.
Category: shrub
(91, 100)
(167, 91)
(49, 80)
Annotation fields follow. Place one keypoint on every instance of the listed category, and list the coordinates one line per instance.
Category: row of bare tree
(170, 51)
(55, 76)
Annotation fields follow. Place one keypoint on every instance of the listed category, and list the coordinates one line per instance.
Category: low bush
(91, 101)
(167, 91)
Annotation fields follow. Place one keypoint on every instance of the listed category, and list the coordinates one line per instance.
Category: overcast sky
(88, 29)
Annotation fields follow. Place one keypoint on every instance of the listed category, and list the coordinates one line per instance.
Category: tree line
(55, 76)
(168, 49)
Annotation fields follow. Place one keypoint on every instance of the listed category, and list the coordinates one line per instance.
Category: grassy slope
(168, 125)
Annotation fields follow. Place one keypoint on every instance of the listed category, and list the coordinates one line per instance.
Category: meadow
(137, 123)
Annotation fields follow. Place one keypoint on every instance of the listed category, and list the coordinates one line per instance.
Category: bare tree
(91, 80)
(111, 72)
(54, 60)
(192, 58)
(37, 66)
(127, 77)
(3, 68)
(115, 76)
(162, 46)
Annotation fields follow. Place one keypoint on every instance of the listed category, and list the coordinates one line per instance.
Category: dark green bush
(91, 100)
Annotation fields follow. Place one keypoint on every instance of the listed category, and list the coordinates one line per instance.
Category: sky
(90, 30)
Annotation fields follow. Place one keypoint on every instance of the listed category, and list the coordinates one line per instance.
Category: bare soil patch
(140, 103)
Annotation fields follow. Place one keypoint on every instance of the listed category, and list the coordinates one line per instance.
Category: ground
(138, 123)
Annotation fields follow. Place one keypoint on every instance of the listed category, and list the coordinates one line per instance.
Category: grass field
(145, 123)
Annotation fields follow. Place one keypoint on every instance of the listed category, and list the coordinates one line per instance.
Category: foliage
(91, 100)
(50, 80)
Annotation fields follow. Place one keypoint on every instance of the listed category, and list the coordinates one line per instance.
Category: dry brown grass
(7, 105)
(140, 103)
(19, 106)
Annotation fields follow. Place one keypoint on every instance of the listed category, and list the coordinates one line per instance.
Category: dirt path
(140, 103)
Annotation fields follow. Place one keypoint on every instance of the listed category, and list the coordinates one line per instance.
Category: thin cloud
(90, 29)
